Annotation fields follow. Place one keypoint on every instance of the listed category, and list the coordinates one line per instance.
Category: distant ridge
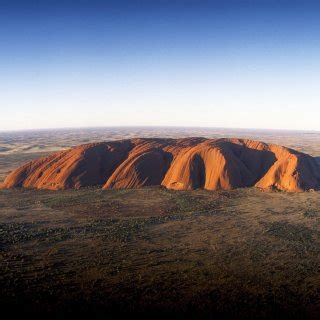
(181, 164)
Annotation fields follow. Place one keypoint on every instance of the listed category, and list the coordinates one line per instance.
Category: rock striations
(181, 164)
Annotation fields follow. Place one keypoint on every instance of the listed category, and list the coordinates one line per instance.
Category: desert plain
(241, 253)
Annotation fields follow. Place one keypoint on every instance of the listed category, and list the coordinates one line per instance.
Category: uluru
(181, 164)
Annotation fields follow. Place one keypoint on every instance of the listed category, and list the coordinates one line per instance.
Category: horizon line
(156, 126)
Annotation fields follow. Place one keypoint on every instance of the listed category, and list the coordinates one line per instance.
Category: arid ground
(199, 254)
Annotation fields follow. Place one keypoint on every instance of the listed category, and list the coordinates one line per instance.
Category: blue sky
(251, 64)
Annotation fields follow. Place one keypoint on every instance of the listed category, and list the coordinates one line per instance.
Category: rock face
(181, 164)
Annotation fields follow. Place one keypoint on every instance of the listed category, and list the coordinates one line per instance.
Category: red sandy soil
(181, 164)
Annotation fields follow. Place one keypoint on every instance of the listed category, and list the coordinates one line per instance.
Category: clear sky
(251, 64)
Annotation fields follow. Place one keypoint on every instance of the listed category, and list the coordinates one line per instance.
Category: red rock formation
(181, 164)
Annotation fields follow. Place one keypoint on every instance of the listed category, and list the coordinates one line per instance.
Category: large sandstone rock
(181, 164)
